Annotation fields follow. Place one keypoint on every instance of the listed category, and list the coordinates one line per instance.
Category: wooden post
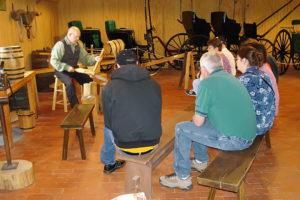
(81, 143)
(212, 193)
(267, 138)
(7, 124)
(90, 97)
(142, 172)
(187, 70)
(192, 67)
(65, 144)
(4, 130)
(241, 192)
(185, 73)
(32, 96)
(182, 71)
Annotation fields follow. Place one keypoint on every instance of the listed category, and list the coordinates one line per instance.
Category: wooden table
(29, 80)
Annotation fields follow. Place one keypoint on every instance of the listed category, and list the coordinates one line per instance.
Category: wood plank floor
(275, 173)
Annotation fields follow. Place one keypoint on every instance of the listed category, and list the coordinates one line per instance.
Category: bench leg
(54, 94)
(212, 193)
(81, 143)
(144, 173)
(241, 192)
(92, 124)
(267, 138)
(65, 144)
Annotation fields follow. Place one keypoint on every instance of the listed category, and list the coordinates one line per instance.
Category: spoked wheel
(282, 50)
(296, 61)
(173, 48)
(196, 44)
(154, 51)
(268, 45)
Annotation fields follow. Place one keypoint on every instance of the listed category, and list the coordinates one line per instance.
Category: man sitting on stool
(132, 112)
(64, 58)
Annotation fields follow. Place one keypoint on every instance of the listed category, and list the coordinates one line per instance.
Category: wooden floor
(275, 173)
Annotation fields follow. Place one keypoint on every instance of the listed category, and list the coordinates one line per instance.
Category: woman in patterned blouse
(259, 87)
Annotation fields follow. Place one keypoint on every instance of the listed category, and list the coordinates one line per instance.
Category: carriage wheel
(282, 50)
(154, 52)
(197, 44)
(268, 45)
(173, 48)
(296, 61)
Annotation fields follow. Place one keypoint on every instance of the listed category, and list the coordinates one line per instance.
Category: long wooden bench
(76, 119)
(229, 169)
(139, 168)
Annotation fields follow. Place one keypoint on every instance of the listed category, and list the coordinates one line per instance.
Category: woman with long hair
(259, 87)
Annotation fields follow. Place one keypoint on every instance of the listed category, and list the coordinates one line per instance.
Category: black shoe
(190, 93)
(108, 169)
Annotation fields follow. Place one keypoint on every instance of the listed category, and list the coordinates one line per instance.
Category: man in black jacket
(132, 112)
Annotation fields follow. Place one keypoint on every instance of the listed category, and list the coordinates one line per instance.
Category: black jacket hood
(130, 73)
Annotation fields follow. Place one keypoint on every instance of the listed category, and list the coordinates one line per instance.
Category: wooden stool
(59, 87)
(76, 119)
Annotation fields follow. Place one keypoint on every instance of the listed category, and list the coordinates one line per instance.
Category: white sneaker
(173, 181)
(199, 166)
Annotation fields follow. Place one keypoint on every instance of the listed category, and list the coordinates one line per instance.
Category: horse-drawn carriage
(195, 38)
(198, 33)
(287, 48)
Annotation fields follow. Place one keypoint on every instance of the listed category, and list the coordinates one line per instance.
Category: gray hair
(211, 61)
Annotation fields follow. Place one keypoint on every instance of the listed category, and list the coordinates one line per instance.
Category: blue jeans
(108, 149)
(187, 133)
(196, 83)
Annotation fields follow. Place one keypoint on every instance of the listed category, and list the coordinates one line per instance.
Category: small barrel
(26, 120)
(13, 62)
(113, 47)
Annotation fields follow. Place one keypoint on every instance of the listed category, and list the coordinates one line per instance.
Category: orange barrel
(113, 47)
(13, 62)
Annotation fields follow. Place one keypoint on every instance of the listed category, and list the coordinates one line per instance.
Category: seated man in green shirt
(64, 58)
(224, 119)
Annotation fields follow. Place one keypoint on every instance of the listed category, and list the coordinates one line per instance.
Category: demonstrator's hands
(98, 58)
(71, 69)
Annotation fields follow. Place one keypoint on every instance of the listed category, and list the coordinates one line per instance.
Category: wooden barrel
(26, 120)
(113, 47)
(13, 62)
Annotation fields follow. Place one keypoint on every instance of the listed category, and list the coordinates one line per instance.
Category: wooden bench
(229, 169)
(139, 168)
(76, 119)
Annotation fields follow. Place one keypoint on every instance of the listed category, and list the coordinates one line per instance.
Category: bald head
(73, 34)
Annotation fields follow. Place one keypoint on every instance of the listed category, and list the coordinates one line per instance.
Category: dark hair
(258, 46)
(223, 40)
(251, 54)
(215, 42)
(126, 57)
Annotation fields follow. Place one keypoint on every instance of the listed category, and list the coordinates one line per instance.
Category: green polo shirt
(58, 52)
(227, 104)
